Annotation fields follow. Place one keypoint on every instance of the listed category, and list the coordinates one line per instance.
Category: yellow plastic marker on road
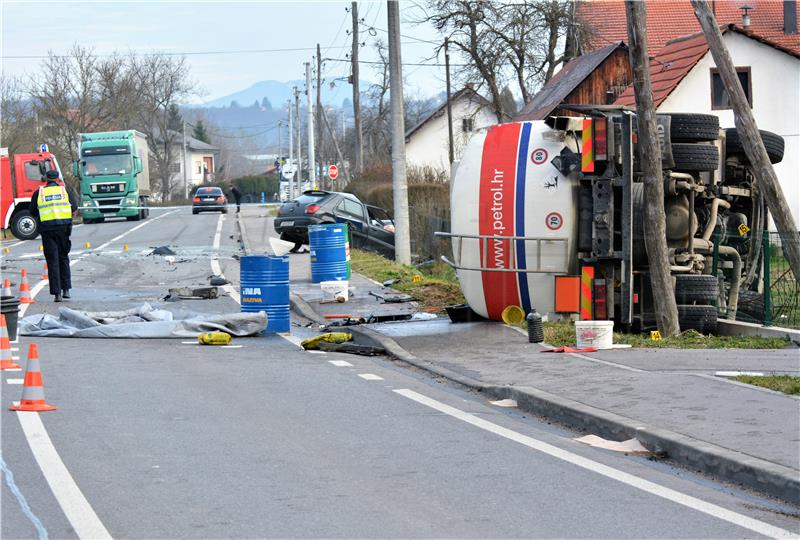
(6, 250)
(124, 248)
(41, 248)
(87, 245)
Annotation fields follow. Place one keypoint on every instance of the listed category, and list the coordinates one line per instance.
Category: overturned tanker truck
(549, 215)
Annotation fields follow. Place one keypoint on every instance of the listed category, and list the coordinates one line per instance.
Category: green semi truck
(114, 175)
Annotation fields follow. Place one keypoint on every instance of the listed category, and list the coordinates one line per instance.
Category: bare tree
(17, 118)
(161, 82)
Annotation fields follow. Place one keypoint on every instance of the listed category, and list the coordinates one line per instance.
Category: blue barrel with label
(330, 252)
(265, 287)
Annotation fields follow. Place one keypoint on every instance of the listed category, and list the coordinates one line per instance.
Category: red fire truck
(20, 176)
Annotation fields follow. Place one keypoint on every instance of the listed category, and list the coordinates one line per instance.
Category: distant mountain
(278, 93)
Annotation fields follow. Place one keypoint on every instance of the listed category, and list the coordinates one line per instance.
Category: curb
(725, 464)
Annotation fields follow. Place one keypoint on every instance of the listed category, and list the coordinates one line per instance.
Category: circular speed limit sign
(554, 221)
(539, 156)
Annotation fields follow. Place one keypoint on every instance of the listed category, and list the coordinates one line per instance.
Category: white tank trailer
(531, 201)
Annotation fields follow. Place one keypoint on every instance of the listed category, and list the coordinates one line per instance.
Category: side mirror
(137, 165)
(75, 169)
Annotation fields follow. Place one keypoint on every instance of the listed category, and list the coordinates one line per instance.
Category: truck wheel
(137, 217)
(24, 226)
(772, 142)
(695, 157)
(696, 288)
(688, 128)
(700, 318)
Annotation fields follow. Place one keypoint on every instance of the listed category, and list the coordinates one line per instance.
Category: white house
(200, 162)
(685, 79)
(427, 142)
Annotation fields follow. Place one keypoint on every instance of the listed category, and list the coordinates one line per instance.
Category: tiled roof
(563, 83)
(605, 21)
(676, 59)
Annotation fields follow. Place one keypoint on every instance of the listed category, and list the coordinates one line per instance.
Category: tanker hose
(712, 220)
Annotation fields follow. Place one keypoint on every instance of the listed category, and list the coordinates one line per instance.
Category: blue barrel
(265, 287)
(330, 252)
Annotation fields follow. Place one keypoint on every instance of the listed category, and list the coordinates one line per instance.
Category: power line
(185, 53)
(404, 63)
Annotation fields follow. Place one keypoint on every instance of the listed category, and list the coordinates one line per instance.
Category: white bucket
(594, 334)
(331, 290)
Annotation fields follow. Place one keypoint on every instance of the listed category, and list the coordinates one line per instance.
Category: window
(199, 166)
(467, 124)
(351, 208)
(33, 169)
(175, 167)
(719, 95)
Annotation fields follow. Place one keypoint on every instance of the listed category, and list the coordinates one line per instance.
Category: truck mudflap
(513, 218)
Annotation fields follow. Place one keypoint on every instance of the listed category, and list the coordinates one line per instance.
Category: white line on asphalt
(14, 381)
(31, 255)
(615, 474)
(316, 352)
(232, 346)
(14, 369)
(341, 363)
(14, 349)
(216, 268)
(370, 377)
(17, 244)
(69, 496)
(190, 342)
(72, 501)
(129, 231)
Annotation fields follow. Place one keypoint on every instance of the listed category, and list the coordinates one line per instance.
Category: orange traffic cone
(6, 289)
(6, 361)
(25, 290)
(32, 389)
(44, 275)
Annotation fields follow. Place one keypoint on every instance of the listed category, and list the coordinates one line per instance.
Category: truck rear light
(600, 304)
(600, 139)
(312, 208)
(196, 199)
(587, 146)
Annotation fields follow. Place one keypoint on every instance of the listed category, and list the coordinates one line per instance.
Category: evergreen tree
(200, 132)
(234, 104)
(174, 118)
(265, 104)
(509, 104)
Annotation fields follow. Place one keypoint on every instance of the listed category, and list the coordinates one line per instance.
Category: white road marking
(15, 381)
(14, 349)
(190, 342)
(31, 255)
(615, 474)
(738, 373)
(341, 363)
(316, 352)
(69, 496)
(232, 346)
(14, 369)
(370, 377)
(15, 245)
(129, 231)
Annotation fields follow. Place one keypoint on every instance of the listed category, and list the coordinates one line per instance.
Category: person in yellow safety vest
(54, 207)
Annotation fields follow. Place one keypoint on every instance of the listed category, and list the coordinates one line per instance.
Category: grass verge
(434, 286)
(780, 383)
(563, 333)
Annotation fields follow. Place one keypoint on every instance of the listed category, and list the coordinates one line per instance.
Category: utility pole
(746, 126)
(312, 164)
(345, 172)
(655, 219)
(291, 153)
(183, 166)
(280, 124)
(402, 237)
(298, 185)
(450, 152)
(318, 111)
(359, 165)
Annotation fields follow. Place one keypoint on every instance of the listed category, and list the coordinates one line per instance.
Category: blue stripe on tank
(519, 215)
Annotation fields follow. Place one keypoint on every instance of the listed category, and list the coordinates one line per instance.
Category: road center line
(615, 474)
(72, 501)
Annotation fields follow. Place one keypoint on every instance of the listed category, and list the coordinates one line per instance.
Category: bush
(255, 185)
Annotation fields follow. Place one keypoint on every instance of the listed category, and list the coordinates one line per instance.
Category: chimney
(746, 17)
(789, 17)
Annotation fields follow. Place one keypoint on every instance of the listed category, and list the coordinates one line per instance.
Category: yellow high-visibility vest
(54, 204)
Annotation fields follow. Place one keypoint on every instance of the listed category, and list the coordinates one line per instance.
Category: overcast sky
(34, 28)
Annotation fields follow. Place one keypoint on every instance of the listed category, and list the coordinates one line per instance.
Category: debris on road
(162, 250)
(312, 344)
(189, 293)
(214, 338)
(392, 298)
(423, 316)
(352, 348)
(571, 350)
(390, 282)
(218, 281)
(140, 322)
(631, 446)
(510, 403)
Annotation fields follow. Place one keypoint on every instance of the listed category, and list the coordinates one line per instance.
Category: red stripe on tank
(496, 216)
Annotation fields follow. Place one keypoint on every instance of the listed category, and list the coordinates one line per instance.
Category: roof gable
(564, 82)
(465, 93)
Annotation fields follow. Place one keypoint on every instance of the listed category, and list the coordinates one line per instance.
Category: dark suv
(370, 227)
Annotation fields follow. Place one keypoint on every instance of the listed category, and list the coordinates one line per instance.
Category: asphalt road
(166, 439)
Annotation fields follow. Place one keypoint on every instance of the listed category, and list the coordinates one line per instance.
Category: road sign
(333, 172)
(288, 170)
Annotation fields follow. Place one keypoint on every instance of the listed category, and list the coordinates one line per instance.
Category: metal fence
(773, 298)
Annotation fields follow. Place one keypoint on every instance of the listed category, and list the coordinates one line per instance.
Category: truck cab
(20, 176)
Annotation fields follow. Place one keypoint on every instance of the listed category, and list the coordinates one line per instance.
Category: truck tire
(772, 142)
(689, 128)
(24, 226)
(696, 288)
(695, 157)
(137, 217)
(700, 318)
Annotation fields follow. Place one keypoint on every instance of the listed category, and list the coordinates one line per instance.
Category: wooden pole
(746, 126)
(358, 168)
(655, 234)
(450, 151)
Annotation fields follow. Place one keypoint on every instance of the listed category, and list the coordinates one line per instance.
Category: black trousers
(56, 245)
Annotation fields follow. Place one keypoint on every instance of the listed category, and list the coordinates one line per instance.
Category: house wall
(613, 74)
(194, 160)
(428, 146)
(775, 79)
